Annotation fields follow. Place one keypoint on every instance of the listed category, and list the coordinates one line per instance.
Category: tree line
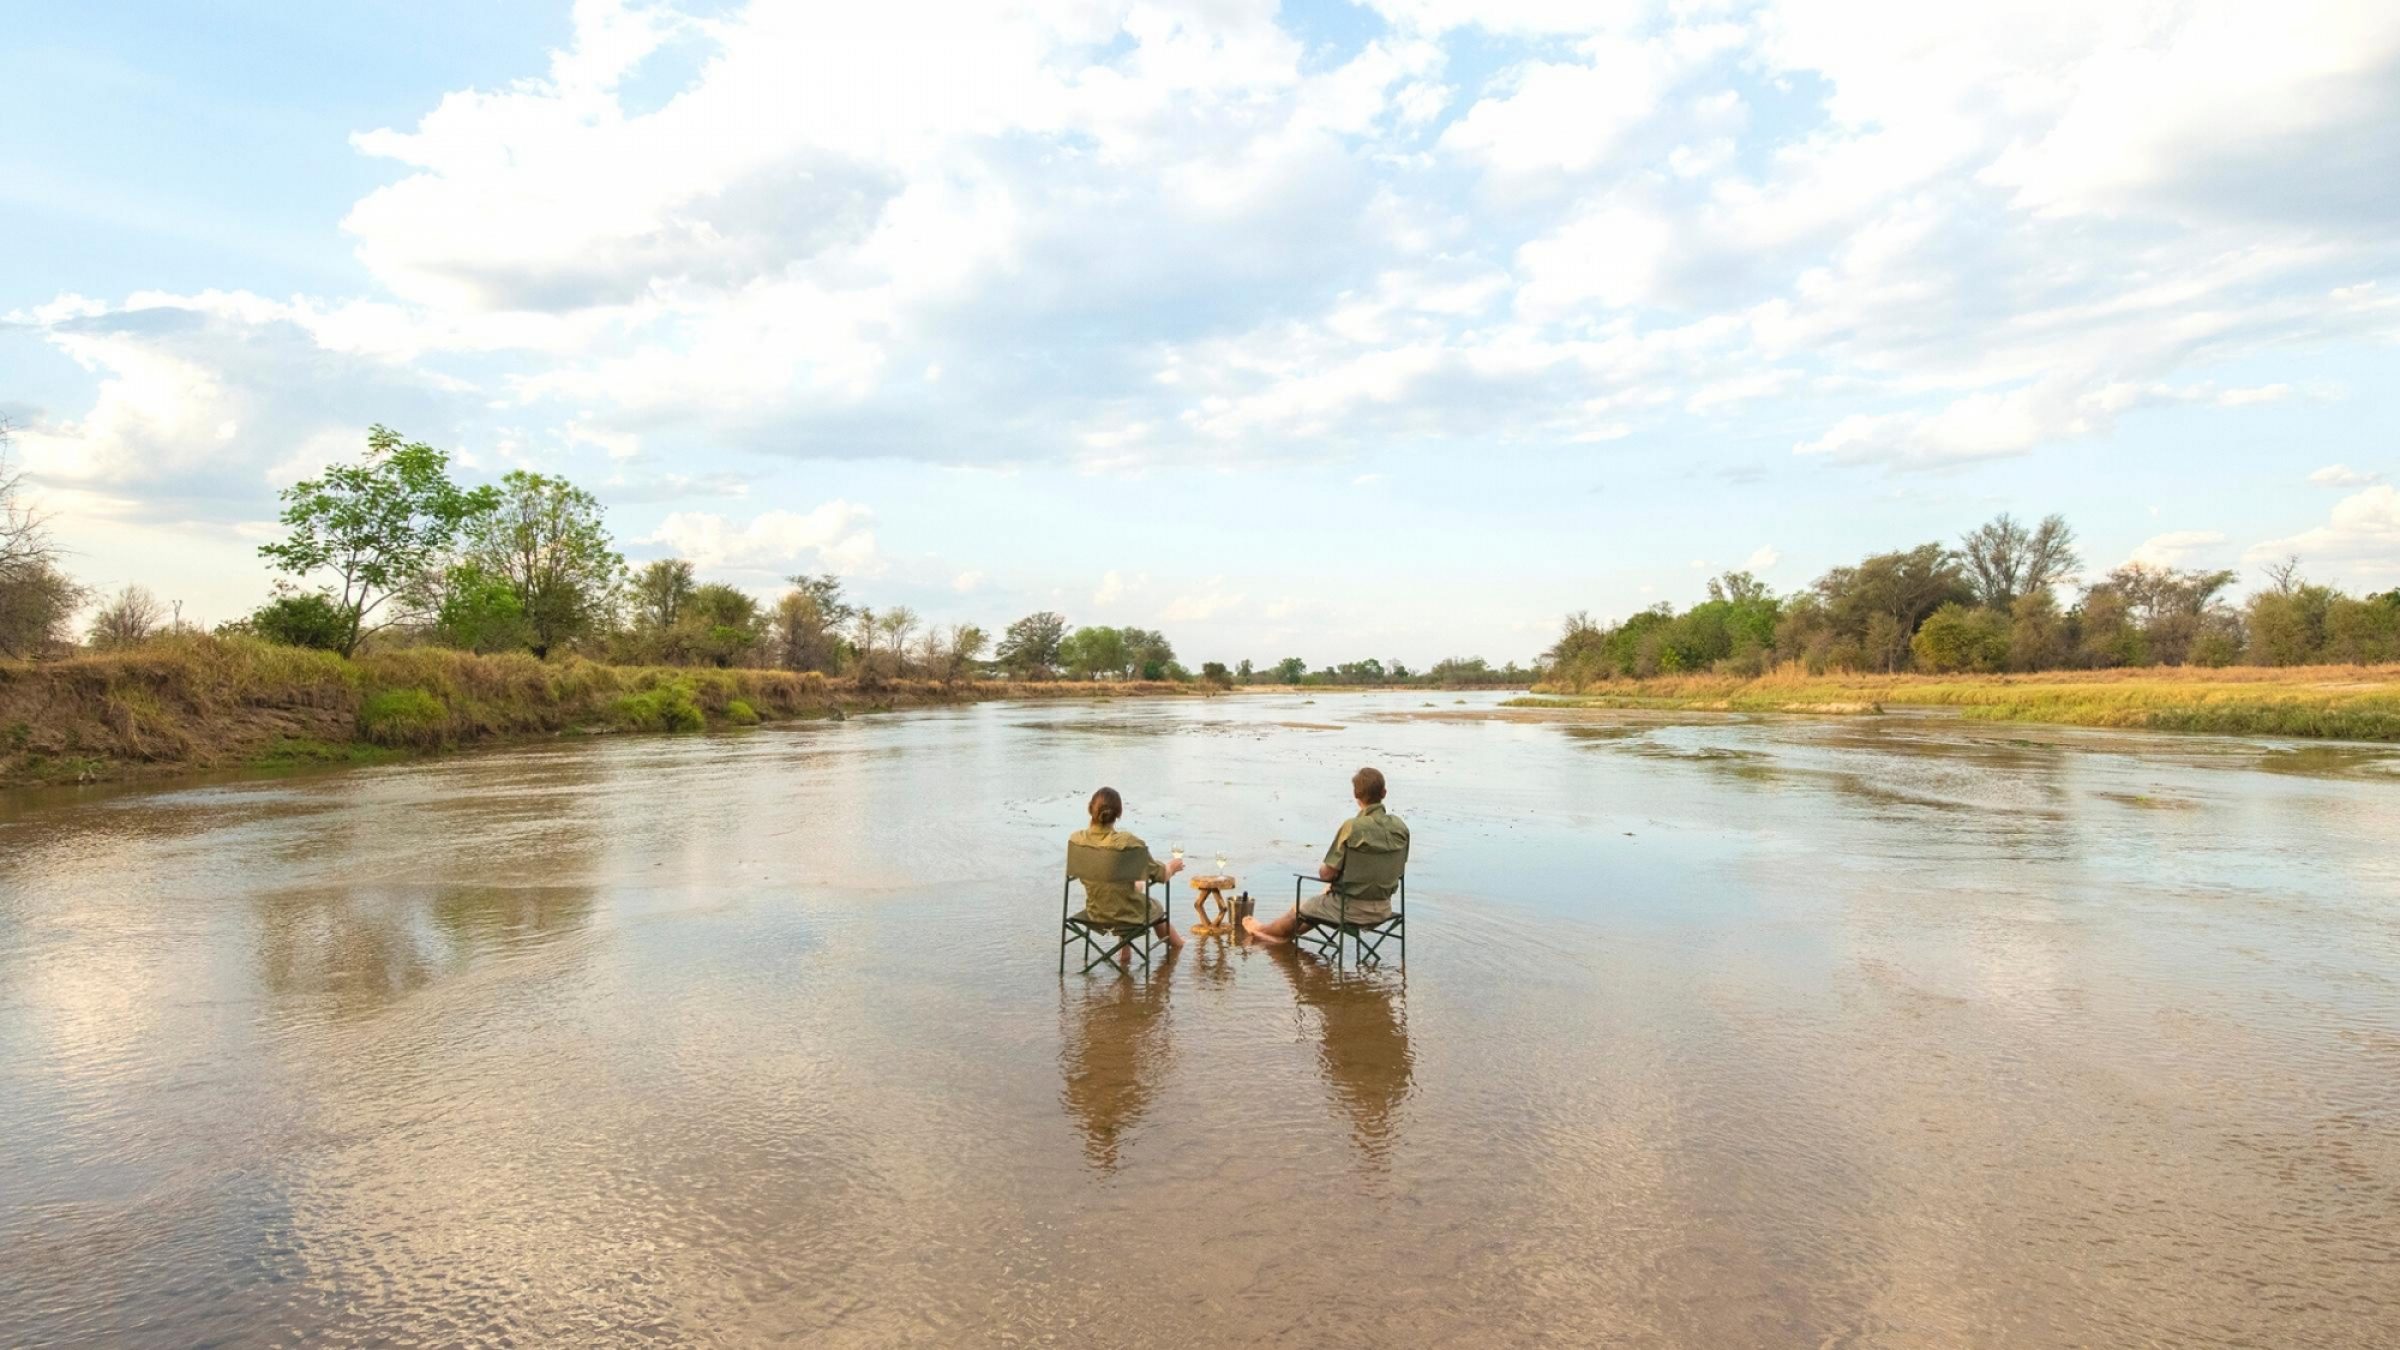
(1989, 604)
(389, 550)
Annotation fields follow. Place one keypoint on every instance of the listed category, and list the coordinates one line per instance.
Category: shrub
(1957, 638)
(665, 707)
(403, 717)
(305, 620)
(741, 714)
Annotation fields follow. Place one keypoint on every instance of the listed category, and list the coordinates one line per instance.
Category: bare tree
(36, 599)
(24, 540)
(130, 619)
(2005, 560)
(895, 626)
(2285, 576)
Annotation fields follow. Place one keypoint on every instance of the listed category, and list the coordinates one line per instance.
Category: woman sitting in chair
(1123, 903)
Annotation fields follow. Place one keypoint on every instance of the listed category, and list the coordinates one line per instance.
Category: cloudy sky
(1325, 329)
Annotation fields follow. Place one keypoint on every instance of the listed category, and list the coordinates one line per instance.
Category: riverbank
(2332, 702)
(200, 703)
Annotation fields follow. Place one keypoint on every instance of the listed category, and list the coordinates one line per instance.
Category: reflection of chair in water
(1362, 1042)
(1102, 941)
(1113, 1050)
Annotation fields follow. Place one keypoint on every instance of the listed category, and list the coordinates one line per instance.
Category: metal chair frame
(1366, 939)
(1102, 941)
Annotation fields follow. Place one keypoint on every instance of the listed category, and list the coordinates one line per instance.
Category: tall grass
(2339, 702)
(199, 701)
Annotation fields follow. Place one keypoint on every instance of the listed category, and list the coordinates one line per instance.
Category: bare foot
(1174, 941)
(1258, 931)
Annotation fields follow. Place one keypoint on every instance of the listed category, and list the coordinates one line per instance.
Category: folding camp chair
(1102, 941)
(1360, 868)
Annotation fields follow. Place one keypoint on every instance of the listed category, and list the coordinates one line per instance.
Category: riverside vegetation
(188, 701)
(1980, 627)
(413, 613)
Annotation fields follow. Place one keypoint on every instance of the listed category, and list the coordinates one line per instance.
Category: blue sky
(1332, 330)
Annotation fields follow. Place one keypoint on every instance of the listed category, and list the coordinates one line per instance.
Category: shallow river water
(1711, 1032)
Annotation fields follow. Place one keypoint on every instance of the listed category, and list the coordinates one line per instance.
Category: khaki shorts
(1158, 911)
(1324, 907)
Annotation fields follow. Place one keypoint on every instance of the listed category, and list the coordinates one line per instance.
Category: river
(1711, 1032)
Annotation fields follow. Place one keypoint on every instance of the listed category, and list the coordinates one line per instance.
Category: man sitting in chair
(1372, 828)
(1122, 902)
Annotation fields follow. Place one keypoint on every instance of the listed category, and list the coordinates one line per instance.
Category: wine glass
(1176, 851)
(1220, 862)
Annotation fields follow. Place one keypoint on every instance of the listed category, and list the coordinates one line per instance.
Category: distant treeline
(388, 552)
(1989, 605)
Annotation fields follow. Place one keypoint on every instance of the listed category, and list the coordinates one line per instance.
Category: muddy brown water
(1712, 1032)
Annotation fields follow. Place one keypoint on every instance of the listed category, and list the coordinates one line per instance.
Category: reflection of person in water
(1362, 1047)
(1113, 1051)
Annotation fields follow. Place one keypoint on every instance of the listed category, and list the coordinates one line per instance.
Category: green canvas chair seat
(1102, 941)
(1364, 871)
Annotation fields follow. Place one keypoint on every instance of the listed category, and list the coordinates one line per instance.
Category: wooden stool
(1210, 892)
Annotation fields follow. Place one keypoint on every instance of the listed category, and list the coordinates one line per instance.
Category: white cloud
(1907, 235)
(1763, 558)
(1203, 605)
(2343, 476)
(2362, 537)
(1565, 117)
(836, 535)
(1111, 589)
(2175, 547)
(968, 582)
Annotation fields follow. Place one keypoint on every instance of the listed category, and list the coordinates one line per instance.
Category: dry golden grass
(2341, 702)
(196, 702)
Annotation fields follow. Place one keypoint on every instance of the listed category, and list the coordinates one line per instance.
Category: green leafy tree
(1291, 670)
(723, 623)
(2038, 637)
(1029, 649)
(1147, 654)
(1094, 653)
(808, 624)
(659, 591)
(475, 611)
(545, 539)
(1879, 603)
(374, 527)
(1215, 675)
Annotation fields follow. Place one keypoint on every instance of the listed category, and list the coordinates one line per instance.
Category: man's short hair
(1367, 785)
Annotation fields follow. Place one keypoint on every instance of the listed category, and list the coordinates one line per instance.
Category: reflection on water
(1361, 1030)
(1114, 1051)
(1716, 1031)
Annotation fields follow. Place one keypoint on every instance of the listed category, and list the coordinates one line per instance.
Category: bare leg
(1174, 939)
(1278, 929)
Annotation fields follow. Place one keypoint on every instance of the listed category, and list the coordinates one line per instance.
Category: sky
(1395, 329)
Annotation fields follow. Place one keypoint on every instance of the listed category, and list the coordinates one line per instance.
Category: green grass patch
(403, 717)
(740, 713)
(664, 707)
